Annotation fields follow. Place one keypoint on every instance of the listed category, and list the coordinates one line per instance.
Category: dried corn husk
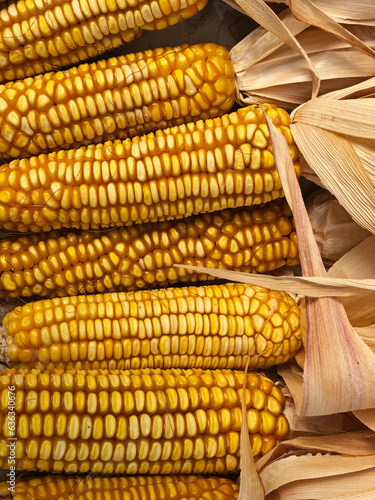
(339, 369)
(268, 70)
(336, 136)
(314, 472)
(335, 231)
(359, 262)
(345, 11)
(319, 426)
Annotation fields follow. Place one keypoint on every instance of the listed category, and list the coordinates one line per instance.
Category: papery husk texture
(335, 231)
(269, 70)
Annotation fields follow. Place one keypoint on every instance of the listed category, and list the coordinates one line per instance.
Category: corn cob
(114, 99)
(123, 488)
(39, 36)
(257, 239)
(194, 168)
(137, 422)
(217, 326)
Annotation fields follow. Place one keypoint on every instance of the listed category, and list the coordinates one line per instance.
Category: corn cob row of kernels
(137, 422)
(123, 488)
(114, 99)
(203, 166)
(257, 239)
(36, 37)
(210, 327)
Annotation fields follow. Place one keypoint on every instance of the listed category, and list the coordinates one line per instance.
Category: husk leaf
(335, 135)
(334, 159)
(335, 231)
(251, 487)
(352, 444)
(306, 11)
(320, 426)
(264, 15)
(302, 285)
(287, 61)
(359, 262)
(299, 468)
(339, 368)
(345, 12)
(333, 487)
(319, 465)
(367, 417)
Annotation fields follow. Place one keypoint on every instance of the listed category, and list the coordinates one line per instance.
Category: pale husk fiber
(269, 70)
(306, 459)
(335, 231)
(309, 48)
(345, 12)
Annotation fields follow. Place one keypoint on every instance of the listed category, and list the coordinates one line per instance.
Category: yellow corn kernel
(142, 180)
(97, 102)
(87, 435)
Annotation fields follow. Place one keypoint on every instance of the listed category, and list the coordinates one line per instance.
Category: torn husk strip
(339, 367)
(268, 70)
(335, 231)
(367, 417)
(301, 285)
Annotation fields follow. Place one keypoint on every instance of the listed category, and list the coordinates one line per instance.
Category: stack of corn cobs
(110, 371)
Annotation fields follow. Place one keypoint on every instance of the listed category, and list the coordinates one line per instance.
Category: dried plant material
(359, 484)
(310, 286)
(367, 334)
(359, 262)
(323, 425)
(264, 15)
(269, 69)
(307, 469)
(307, 458)
(250, 484)
(339, 368)
(336, 137)
(306, 11)
(354, 117)
(335, 231)
(299, 468)
(345, 12)
(357, 443)
(367, 417)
